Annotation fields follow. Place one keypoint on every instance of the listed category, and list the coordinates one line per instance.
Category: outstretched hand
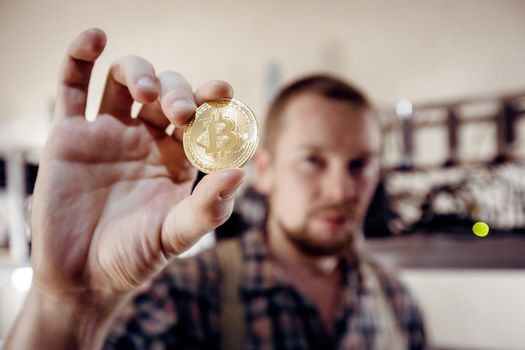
(112, 201)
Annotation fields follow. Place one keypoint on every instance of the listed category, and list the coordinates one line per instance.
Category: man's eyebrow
(367, 154)
(309, 145)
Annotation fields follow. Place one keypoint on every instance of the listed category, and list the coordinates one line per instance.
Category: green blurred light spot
(480, 229)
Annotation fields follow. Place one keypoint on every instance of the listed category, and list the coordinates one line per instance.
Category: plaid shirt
(181, 308)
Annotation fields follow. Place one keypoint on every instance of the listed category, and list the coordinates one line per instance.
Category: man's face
(322, 173)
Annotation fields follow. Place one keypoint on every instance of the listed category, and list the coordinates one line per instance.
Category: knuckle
(217, 83)
(130, 63)
(179, 243)
(215, 88)
(170, 74)
(218, 214)
(173, 79)
(134, 59)
(185, 103)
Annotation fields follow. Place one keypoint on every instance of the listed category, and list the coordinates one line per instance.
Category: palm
(112, 201)
(127, 176)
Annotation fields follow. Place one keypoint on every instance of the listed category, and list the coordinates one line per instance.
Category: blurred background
(448, 78)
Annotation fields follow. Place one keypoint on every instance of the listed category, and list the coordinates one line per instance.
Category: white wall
(394, 49)
(471, 309)
(11, 301)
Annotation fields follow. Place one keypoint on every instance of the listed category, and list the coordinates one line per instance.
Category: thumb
(209, 206)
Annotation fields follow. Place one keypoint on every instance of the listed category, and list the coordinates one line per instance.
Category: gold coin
(222, 134)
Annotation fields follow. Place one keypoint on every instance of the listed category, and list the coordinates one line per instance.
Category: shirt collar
(260, 272)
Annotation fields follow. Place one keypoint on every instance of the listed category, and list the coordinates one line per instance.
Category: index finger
(179, 102)
(75, 72)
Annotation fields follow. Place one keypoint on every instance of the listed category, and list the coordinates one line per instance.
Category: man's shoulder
(404, 305)
(182, 271)
(204, 265)
(389, 278)
(171, 301)
(395, 289)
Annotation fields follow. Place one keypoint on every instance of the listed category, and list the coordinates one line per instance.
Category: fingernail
(147, 82)
(228, 194)
(183, 105)
(229, 172)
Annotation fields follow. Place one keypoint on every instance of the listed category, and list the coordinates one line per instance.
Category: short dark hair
(322, 85)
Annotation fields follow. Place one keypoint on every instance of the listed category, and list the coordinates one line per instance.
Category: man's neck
(316, 277)
(293, 258)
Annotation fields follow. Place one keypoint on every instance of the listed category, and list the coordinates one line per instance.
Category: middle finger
(130, 78)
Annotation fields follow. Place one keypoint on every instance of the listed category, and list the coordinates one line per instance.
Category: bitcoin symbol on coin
(222, 134)
(219, 137)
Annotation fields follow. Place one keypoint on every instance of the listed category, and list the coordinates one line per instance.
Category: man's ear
(263, 171)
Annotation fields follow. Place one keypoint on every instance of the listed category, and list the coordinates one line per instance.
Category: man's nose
(340, 187)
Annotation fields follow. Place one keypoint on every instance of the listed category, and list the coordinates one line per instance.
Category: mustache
(340, 209)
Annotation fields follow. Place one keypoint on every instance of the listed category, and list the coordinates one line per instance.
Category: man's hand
(112, 201)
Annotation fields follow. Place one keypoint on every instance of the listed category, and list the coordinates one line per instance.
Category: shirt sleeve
(149, 321)
(178, 310)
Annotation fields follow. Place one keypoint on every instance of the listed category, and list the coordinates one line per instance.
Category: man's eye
(313, 163)
(314, 160)
(357, 165)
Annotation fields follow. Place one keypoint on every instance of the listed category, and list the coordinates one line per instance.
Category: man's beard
(305, 241)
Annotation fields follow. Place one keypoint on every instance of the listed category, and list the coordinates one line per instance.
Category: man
(112, 207)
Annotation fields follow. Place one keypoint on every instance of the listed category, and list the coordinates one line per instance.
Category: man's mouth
(334, 219)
